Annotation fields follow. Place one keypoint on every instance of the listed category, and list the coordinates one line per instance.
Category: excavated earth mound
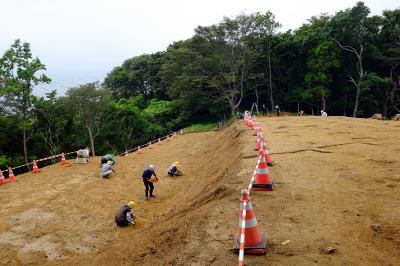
(336, 186)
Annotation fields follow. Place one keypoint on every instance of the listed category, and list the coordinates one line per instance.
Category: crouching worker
(106, 169)
(148, 181)
(108, 157)
(125, 215)
(173, 169)
(84, 154)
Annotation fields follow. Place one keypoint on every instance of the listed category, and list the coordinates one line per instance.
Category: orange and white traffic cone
(150, 146)
(258, 142)
(35, 169)
(258, 128)
(11, 176)
(248, 122)
(139, 151)
(265, 150)
(63, 161)
(126, 152)
(2, 179)
(262, 180)
(253, 126)
(254, 241)
(159, 141)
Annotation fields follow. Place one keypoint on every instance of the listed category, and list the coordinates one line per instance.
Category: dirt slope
(335, 178)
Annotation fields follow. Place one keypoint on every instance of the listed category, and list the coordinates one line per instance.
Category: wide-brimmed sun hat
(152, 166)
(131, 204)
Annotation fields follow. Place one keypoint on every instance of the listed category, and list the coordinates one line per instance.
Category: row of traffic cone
(262, 180)
(250, 239)
(35, 170)
(11, 176)
(150, 145)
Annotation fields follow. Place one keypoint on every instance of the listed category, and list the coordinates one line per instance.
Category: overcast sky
(82, 40)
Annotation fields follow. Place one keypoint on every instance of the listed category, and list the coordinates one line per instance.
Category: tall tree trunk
(91, 138)
(233, 108)
(360, 72)
(345, 102)
(24, 137)
(390, 92)
(386, 103)
(323, 103)
(24, 143)
(257, 97)
(298, 106)
(357, 101)
(361, 76)
(271, 98)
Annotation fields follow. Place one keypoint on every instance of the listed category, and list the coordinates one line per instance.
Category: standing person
(125, 215)
(264, 110)
(277, 110)
(148, 181)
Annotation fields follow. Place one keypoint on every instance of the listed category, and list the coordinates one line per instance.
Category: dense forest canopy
(346, 64)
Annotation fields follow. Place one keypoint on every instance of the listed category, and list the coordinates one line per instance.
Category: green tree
(50, 121)
(352, 30)
(266, 27)
(390, 46)
(90, 103)
(323, 58)
(217, 60)
(19, 73)
(125, 124)
(183, 82)
(138, 75)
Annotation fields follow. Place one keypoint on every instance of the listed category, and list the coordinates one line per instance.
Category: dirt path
(337, 184)
(336, 178)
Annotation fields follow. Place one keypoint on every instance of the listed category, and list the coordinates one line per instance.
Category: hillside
(336, 181)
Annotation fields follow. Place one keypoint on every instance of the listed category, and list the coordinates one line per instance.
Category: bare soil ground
(337, 185)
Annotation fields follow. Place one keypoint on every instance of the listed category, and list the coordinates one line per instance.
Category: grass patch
(200, 127)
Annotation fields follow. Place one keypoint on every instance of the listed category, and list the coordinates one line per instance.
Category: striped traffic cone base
(250, 239)
(11, 176)
(262, 180)
(268, 187)
(36, 170)
(2, 179)
(259, 249)
(266, 153)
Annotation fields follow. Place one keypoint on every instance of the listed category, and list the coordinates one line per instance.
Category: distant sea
(61, 81)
